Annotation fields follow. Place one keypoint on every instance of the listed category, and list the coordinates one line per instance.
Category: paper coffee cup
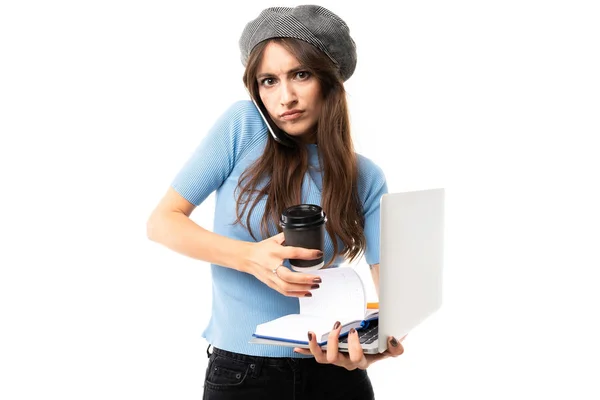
(304, 226)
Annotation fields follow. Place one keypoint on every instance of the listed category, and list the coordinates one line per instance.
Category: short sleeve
(218, 152)
(372, 186)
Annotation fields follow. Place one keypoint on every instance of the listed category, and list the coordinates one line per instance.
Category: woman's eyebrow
(290, 72)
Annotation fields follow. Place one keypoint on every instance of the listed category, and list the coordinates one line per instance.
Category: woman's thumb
(279, 238)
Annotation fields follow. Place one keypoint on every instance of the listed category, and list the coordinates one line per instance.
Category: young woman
(296, 60)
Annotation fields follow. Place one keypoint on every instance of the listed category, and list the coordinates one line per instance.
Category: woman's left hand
(355, 358)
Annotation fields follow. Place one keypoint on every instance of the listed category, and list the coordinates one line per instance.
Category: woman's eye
(267, 82)
(303, 75)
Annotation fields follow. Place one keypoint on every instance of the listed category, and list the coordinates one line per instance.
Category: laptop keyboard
(367, 335)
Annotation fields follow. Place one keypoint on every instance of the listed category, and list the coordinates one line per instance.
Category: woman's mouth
(291, 115)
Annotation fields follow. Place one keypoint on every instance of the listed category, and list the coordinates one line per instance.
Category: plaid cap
(313, 24)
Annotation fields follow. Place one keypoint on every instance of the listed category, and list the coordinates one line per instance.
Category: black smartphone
(279, 135)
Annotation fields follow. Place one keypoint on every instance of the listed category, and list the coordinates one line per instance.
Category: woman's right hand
(264, 260)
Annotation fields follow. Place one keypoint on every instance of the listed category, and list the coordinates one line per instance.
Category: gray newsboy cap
(313, 24)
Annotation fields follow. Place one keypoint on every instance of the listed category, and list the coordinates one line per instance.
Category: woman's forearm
(375, 275)
(179, 233)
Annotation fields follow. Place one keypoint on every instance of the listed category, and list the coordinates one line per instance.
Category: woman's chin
(298, 133)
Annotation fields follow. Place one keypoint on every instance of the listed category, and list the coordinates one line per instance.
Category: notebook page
(295, 327)
(341, 296)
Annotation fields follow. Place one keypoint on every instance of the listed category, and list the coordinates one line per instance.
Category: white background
(102, 102)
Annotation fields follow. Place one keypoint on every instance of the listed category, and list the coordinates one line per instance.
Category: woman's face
(291, 94)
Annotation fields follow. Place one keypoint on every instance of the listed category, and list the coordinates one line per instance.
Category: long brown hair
(278, 174)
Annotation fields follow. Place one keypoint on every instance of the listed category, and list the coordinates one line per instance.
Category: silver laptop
(411, 261)
(410, 269)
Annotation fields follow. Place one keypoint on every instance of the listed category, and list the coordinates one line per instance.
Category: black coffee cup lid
(302, 215)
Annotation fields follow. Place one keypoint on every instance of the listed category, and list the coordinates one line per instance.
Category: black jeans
(232, 376)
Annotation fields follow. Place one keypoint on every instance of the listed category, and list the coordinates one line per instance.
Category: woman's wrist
(240, 254)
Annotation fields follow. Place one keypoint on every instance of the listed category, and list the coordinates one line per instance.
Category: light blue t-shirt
(239, 300)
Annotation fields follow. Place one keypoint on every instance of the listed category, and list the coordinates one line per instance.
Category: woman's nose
(287, 94)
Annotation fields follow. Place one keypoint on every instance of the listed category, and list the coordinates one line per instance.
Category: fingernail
(336, 325)
(315, 286)
(352, 331)
(319, 254)
(394, 342)
(308, 295)
(309, 336)
(317, 280)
